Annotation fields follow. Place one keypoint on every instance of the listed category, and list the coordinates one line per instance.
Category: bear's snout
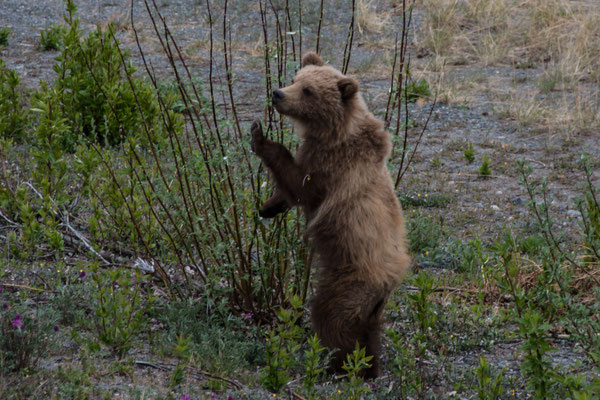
(278, 95)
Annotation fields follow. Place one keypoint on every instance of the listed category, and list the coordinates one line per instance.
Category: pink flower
(17, 323)
(184, 396)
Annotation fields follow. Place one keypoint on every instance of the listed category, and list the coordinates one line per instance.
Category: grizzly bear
(340, 179)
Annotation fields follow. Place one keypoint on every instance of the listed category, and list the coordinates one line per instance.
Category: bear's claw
(257, 135)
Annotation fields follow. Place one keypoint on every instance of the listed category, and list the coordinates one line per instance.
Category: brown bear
(340, 178)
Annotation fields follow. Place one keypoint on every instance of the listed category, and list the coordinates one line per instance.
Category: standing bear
(340, 178)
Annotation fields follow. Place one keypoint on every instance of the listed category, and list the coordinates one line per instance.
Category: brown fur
(339, 177)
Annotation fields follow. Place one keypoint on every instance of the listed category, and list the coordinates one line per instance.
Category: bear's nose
(278, 95)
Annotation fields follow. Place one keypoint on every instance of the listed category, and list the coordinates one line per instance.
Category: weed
(313, 364)
(4, 33)
(423, 233)
(413, 351)
(484, 169)
(282, 345)
(356, 362)
(25, 334)
(469, 153)
(489, 384)
(181, 350)
(417, 89)
(417, 199)
(119, 308)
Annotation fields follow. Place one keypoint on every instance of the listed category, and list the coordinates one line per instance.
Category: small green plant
(424, 234)
(416, 199)
(282, 345)
(414, 351)
(417, 89)
(356, 362)
(52, 37)
(119, 307)
(536, 365)
(313, 364)
(4, 33)
(489, 384)
(484, 170)
(469, 153)
(181, 350)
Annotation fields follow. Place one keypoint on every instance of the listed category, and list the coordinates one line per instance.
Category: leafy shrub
(12, 110)
(120, 305)
(92, 94)
(282, 345)
(52, 38)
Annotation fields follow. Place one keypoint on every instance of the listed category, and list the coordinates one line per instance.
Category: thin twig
(169, 367)
(14, 285)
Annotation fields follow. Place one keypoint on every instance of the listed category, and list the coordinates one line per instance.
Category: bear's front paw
(257, 138)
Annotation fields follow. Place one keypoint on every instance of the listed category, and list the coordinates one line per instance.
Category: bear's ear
(312, 58)
(348, 88)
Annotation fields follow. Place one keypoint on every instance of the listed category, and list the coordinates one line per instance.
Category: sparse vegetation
(134, 263)
(4, 33)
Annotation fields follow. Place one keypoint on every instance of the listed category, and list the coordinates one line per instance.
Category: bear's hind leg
(344, 318)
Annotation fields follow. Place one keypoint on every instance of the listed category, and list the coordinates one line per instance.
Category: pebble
(573, 213)
(495, 207)
(517, 201)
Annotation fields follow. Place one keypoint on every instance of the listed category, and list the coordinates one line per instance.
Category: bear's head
(320, 99)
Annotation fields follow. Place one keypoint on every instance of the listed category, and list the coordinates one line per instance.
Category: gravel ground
(478, 207)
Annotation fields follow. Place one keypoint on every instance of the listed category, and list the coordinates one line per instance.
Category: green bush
(92, 93)
(52, 38)
(12, 110)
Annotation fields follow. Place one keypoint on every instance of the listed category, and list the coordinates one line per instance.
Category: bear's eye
(307, 91)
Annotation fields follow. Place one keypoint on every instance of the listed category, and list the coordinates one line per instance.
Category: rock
(495, 207)
(573, 213)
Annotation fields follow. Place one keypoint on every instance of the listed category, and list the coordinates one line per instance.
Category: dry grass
(369, 19)
(560, 39)
(496, 31)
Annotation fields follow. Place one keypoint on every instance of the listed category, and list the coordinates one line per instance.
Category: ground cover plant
(133, 262)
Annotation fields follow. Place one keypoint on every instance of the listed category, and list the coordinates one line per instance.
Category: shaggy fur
(339, 177)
